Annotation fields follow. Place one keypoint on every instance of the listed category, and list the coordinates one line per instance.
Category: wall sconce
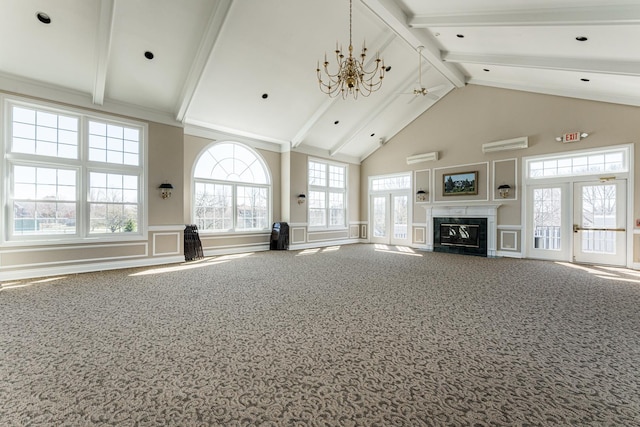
(421, 195)
(165, 190)
(301, 198)
(504, 190)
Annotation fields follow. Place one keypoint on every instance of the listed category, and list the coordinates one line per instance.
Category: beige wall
(165, 165)
(459, 124)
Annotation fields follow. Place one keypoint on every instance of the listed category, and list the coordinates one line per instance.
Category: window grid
(580, 164)
(232, 190)
(327, 195)
(252, 209)
(45, 201)
(44, 133)
(390, 183)
(109, 143)
(547, 220)
(317, 174)
(56, 196)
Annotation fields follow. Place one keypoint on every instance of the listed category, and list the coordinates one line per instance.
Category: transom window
(585, 163)
(390, 183)
(327, 194)
(232, 190)
(71, 175)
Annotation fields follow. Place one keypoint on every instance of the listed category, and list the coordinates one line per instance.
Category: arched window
(232, 189)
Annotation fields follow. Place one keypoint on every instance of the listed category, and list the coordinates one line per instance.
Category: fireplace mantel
(487, 210)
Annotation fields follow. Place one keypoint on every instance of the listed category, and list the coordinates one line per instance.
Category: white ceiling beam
(596, 15)
(203, 56)
(391, 14)
(559, 91)
(317, 115)
(103, 48)
(625, 68)
(382, 106)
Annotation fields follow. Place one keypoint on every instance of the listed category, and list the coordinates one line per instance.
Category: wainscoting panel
(298, 235)
(509, 240)
(419, 234)
(166, 243)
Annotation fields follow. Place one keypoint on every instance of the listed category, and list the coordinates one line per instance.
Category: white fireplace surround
(488, 211)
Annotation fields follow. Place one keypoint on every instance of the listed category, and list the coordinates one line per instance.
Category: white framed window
(232, 190)
(71, 175)
(591, 162)
(327, 194)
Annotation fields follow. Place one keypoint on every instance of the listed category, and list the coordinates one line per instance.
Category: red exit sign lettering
(571, 137)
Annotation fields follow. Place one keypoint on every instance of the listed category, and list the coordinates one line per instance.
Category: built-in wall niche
(505, 173)
(422, 193)
(481, 184)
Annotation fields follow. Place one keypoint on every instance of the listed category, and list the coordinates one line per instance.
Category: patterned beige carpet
(349, 336)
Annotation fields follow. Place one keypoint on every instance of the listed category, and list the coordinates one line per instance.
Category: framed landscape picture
(460, 183)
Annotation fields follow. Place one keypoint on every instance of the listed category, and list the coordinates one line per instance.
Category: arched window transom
(232, 190)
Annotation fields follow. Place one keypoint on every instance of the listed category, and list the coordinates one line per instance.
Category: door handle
(577, 228)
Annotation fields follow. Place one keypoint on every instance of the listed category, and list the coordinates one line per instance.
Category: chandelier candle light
(351, 77)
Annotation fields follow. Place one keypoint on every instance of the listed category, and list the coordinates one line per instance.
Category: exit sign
(571, 137)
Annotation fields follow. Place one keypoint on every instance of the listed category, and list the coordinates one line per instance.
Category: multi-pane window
(113, 202)
(607, 161)
(327, 194)
(389, 183)
(112, 143)
(70, 182)
(45, 201)
(231, 190)
(43, 133)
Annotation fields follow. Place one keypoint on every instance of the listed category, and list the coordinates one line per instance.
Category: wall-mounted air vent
(426, 157)
(507, 144)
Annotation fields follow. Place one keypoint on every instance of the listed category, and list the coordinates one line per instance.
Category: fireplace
(467, 236)
(484, 215)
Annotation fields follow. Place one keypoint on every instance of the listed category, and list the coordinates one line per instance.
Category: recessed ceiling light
(149, 55)
(388, 68)
(43, 17)
(582, 39)
(265, 95)
(460, 36)
(486, 69)
(585, 80)
(373, 134)
(336, 122)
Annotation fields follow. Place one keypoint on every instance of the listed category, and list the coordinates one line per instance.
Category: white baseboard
(62, 270)
(508, 254)
(324, 244)
(236, 250)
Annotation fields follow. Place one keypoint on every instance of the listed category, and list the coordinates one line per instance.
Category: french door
(583, 221)
(599, 221)
(390, 218)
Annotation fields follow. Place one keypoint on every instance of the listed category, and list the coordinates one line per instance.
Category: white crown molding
(595, 15)
(624, 68)
(600, 97)
(44, 91)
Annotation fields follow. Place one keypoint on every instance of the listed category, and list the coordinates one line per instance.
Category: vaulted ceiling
(247, 68)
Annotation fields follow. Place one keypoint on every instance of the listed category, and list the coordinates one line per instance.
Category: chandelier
(351, 78)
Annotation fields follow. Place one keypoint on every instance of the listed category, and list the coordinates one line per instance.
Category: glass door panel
(390, 219)
(599, 222)
(400, 219)
(548, 222)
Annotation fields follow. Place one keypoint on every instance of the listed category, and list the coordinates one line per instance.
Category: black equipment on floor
(192, 244)
(280, 236)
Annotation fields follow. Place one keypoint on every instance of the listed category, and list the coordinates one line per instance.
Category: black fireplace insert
(467, 236)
